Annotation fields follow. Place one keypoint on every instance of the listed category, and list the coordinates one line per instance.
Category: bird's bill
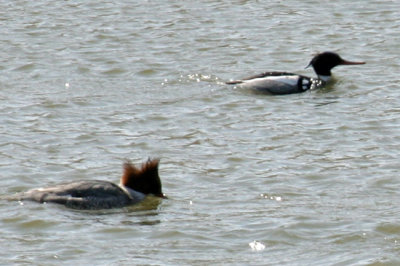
(345, 62)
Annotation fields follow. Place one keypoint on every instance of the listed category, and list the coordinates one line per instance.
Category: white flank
(271, 81)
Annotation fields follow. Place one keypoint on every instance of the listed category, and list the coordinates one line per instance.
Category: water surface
(305, 179)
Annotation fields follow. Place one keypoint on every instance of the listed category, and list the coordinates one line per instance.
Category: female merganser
(135, 184)
(287, 83)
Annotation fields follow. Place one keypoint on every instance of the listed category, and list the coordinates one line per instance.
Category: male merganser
(135, 184)
(287, 83)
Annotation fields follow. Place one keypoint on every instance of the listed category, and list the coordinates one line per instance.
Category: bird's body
(277, 83)
(86, 194)
(135, 184)
(288, 83)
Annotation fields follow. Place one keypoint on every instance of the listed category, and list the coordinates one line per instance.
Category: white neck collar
(324, 78)
(132, 194)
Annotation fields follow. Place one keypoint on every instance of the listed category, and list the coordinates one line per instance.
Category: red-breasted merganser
(287, 83)
(135, 184)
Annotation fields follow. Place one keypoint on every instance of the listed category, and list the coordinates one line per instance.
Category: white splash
(256, 246)
(266, 196)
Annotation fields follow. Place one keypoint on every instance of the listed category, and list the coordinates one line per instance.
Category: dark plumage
(135, 184)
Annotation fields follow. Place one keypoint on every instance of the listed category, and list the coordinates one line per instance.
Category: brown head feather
(144, 179)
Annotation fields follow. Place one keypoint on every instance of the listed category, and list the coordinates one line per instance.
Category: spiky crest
(144, 179)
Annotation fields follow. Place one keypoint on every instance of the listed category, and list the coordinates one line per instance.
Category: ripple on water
(311, 177)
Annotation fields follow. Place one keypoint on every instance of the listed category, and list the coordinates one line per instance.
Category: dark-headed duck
(287, 83)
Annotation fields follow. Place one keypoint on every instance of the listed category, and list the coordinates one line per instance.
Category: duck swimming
(288, 83)
(135, 184)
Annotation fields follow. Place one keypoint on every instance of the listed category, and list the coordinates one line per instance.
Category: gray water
(304, 179)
